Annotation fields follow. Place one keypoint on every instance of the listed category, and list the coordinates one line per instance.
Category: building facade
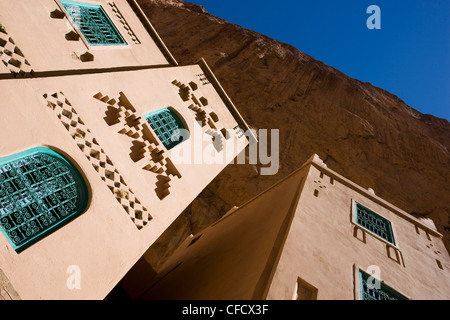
(105, 140)
(313, 235)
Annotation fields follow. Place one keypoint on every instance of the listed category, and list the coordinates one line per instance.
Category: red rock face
(363, 132)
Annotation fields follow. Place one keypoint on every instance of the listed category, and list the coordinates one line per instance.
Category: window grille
(94, 23)
(39, 191)
(377, 292)
(167, 126)
(374, 223)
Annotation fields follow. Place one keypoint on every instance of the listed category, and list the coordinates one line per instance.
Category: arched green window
(40, 191)
(168, 127)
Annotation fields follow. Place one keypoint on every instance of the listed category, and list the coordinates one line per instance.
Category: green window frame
(94, 23)
(374, 223)
(167, 126)
(40, 191)
(382, 293)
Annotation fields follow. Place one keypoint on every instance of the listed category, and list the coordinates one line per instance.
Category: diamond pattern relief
(102, 164)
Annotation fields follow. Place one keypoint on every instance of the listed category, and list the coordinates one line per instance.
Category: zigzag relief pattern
(12, 57)
(206, 119)
(217, 139)
(124, 22)
(98, 158)
(145, 149)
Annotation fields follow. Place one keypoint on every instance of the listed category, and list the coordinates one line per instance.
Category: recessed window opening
(168, 127)
(40, 190)
(305, 291)
(93, 23)
(373, 222)
(370, 290)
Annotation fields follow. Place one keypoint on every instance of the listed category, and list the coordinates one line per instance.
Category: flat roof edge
(319, 164)
(152, 31)
(226, 99)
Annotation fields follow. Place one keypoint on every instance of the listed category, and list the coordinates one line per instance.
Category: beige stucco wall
(232, 258)
(260, 250)
(103, 241)
(42, 38)
(322, 248)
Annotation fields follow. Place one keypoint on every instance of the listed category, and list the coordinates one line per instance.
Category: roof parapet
(316, 161)
(152, 31)
(231, 107)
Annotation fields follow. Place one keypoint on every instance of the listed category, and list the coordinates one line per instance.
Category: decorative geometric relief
(225, 133)
(72, 35)
(369, 291)
(39, 191)
(193, 85)
(57, 14)
(93, 22)
(124, 22)
(12, 57)
(202, 116)
(217, 138)
(202, 77)
(145, 148)
(85, 57)
(185, 91)
(98, 158)
(214, 116)
(395, 254)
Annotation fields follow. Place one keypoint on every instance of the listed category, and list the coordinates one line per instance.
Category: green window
(167, 126)
(373, 222)
(39, 191)
(368, 291)
(94, 23)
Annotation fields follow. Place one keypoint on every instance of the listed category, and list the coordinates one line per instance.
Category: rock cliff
(363, 132)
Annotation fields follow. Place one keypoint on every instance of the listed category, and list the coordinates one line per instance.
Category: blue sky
(409, 56)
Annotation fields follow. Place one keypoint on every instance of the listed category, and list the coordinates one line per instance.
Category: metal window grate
(374, 223)
(39, 190)
(167, 127)
(93, 23)
(383, 293)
